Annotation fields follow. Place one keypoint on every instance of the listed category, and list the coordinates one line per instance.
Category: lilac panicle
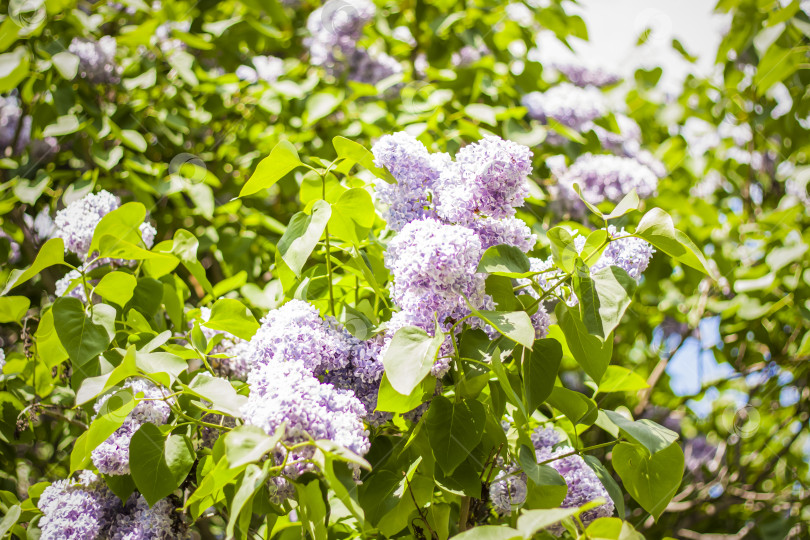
(508, 489)
(604, 177)
(583, 484)
(111, 457)
(96, 59)
(569, 105)
(416, 171)
(490, 178)
(77, 509)
(296, 333)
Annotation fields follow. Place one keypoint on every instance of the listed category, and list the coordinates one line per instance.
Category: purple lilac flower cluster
(334, 31)
(76, 223)
(583, 484)
(447, 213)
(362, 375)
(86, 509)
(507, 489)
(604, 177)
(583, 76)
(111, 457)
(10, 118)
(569, 105)
(97, 59)
(629, 253)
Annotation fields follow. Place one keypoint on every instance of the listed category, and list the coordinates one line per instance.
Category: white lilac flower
(162, 36)
(583, 484)
(489, 179)
(76, 223)
(569, 105)
(296, 333)
(334, 30)
(508, 489)
(96, 59)
(416, 171)
(265, 68)
(43, 225)
(603, 177)
(286, 393)
(2, 360)
(77, 509)
(111, 457)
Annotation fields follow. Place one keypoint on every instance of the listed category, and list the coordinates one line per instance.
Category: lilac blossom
(629, 253)
(2, 360)
(603, 177)
(583, 484)
(468, 55)
(111, 457)
(362, 375)
(137, 521)
(334, 30)
(416, 171)
(77, 509)
(511, 231)
(569, 105)
(489, 178)
(286, 393)
(508, 489)
(372, 68)
(10, 118)
(96, 59)
(583, 76)
(296, 333)
(434, 270)
(71, 285)
(76, 223)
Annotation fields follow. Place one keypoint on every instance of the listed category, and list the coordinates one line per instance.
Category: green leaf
(82, 338)
(51, 253)
(409, 357)
(134, 140)
(49, 349)
(184, 246)
(67, 64)
(563, 251)
(652, 480)
(532, 521)
(246, 444)
(489, 532)
(578, 408)
(312, 509)
(647, 433)
(160, 463)
(614, 291)
(302, 235)
(621, 379)
(357, 153)
(454, 429)
(110, 417)
(11, 517)
(93, 386)
(116, 287)
(13, 308)
(232, 316)
(321, 105)
(282, 159)
(389, 400)
(592, 353)
(516, 325)
(504, 260)
(13, 69)
(65, 125)
(657, 228)
(153, 363)
(219, 392)
(253, 479)
(539, 368)
(629, 203)
(122, 485)
(611, 528)
(123, 224)
(546, 488)
(352, 216)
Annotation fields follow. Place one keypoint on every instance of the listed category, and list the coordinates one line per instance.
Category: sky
(614, 27)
